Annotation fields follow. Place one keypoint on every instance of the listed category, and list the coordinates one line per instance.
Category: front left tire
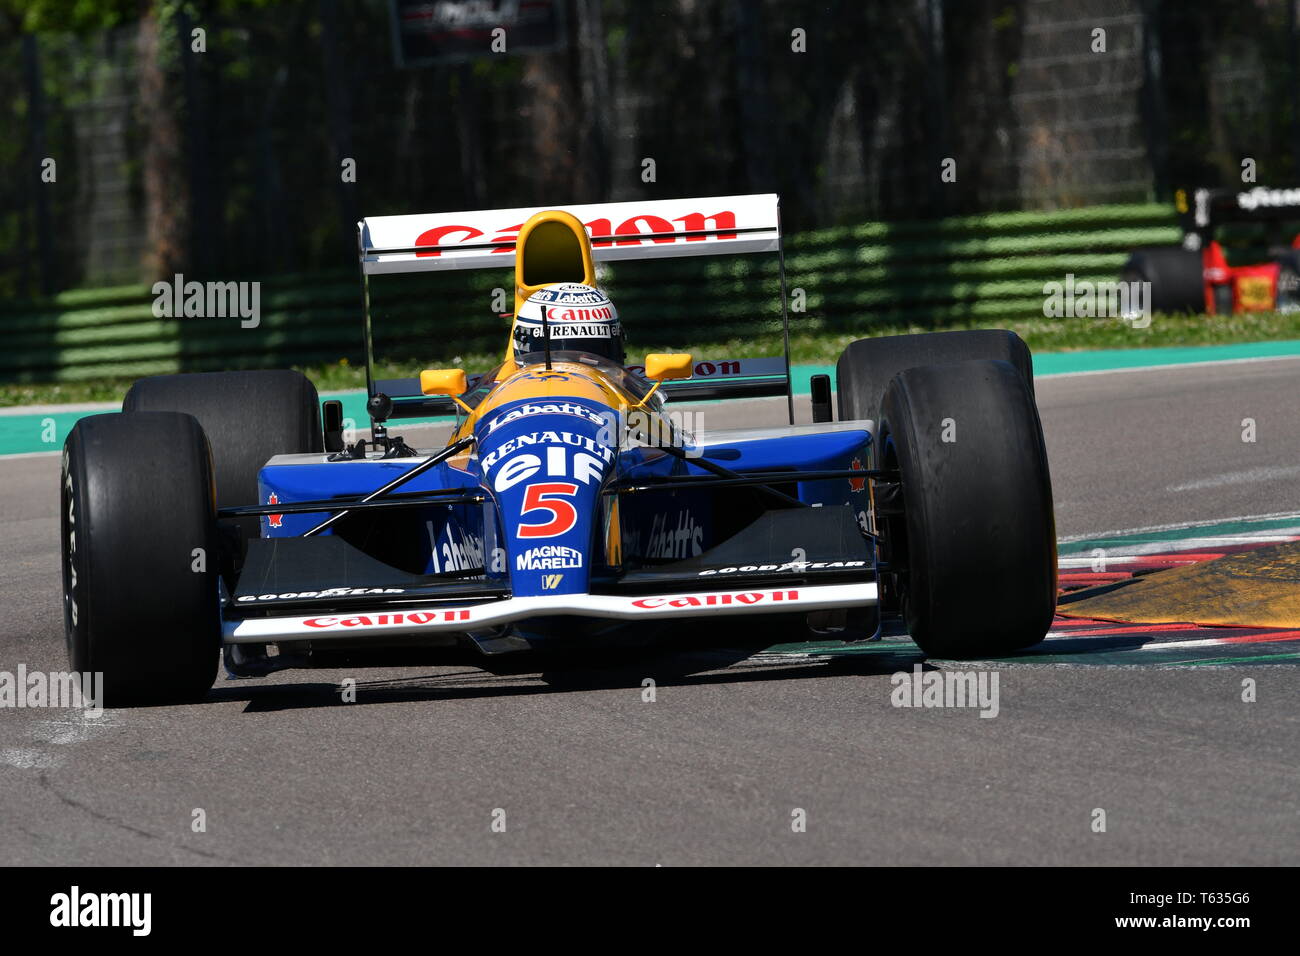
(974, 549)
(140, 556)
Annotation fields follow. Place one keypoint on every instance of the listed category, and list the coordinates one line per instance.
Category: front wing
(403, 620)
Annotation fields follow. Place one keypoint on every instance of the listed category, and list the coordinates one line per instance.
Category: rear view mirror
(445, 381)
(663, 366)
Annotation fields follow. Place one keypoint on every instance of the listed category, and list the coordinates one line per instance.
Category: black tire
(976, 542)
(867, 366)
(136, 496)
(247, 416)
(1176, 277)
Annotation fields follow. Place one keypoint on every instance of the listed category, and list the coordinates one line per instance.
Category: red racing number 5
(542, 497)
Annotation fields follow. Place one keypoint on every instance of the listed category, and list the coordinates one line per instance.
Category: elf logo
(508, 466)
(551, 581)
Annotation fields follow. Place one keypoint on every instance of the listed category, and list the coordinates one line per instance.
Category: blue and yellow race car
(225, 512)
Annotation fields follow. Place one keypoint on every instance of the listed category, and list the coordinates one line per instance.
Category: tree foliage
(230, 158)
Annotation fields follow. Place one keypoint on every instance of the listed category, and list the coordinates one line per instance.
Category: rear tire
(866, 366)
(140, 556)
(1176, 276)
(247, 416)
(976, 542)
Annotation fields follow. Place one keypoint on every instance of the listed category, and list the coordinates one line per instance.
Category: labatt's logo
(642, 226)
(679, 538)
(545, 408)
(452, 549)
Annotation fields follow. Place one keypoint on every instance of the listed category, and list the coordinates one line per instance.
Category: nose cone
(545, 461)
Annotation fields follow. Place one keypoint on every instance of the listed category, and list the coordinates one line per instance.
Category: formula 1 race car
(1240, 253)
(569, 506)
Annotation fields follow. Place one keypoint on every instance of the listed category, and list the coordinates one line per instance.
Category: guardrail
(976, 269)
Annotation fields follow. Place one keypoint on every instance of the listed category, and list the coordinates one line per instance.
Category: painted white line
(1208, 642)
(1089, 561)
(29, 454)
(1178, 526)
(1114, 554)
(1266, 473)
(1171, 365)
(56, 409)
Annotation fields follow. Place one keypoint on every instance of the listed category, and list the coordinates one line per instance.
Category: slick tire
(1175, 274)
(866, 366)
(138, 529)
(975, 545)
(247, 416)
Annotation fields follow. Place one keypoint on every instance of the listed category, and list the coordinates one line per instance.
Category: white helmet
(579, 318)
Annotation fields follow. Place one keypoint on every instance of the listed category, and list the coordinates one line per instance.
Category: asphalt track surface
(712, 770)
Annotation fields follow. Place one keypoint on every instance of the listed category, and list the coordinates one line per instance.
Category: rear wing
(667, 228)
(485, 238)
(1205, 209)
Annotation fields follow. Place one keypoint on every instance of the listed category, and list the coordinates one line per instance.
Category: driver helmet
(579, 318)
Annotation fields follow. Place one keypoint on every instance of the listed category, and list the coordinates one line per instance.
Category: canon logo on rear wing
(694, 227)
(644, 229)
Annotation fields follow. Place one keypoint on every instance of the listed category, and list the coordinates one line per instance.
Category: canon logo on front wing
(630, 227)
(716, 600)
(390, 620)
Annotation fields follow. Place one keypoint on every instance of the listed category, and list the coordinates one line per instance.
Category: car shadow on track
(554, 672)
